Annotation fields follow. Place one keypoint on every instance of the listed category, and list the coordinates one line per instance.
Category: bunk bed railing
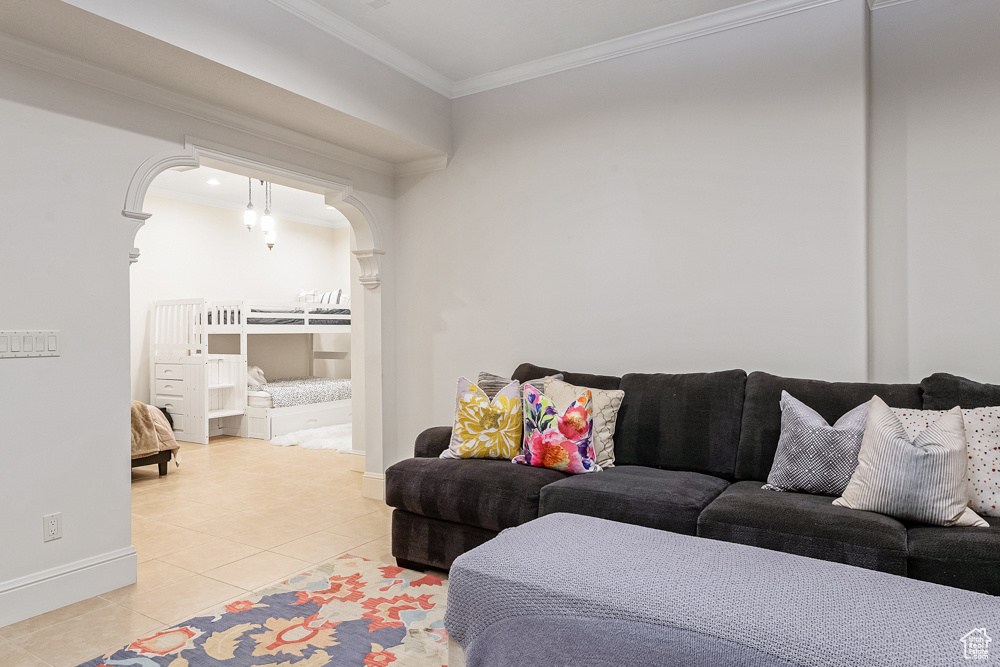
(311, 313)
(182, 327)
(223, 316)
(176, 327)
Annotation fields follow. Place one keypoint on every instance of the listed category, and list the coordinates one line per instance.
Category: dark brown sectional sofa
(691, 453)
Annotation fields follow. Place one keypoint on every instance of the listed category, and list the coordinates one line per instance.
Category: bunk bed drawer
(178, 424)
(170, 387)
(282, 424)
(258, 424)
(169, 371)
(173, 403)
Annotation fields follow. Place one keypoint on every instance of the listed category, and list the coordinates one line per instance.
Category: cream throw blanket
(165, 434)
(144, 439)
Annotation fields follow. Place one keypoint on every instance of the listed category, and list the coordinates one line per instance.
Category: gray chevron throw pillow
(812, 456)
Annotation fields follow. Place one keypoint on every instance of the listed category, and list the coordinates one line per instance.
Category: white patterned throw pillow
(812, 456)
(921, 480)
(982, 436)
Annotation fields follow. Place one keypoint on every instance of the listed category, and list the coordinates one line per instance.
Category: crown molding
(699, 26)
(881, 4)
(334, 24)
(167, 193)
(424, 166)
(40, 58)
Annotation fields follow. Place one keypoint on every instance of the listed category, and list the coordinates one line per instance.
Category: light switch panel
(31, 343)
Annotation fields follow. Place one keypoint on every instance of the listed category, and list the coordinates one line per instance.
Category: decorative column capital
(369, 260)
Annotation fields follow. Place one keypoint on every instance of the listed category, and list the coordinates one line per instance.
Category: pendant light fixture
(267, 224)
(250, 215)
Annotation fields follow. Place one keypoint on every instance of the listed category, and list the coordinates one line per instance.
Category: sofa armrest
(432, 442)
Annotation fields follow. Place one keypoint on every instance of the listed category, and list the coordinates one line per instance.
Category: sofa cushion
(433, 441)
(762, 412)
(943, 391)
(479, 492)
(526, 372)
(681, 422)
(433, 542)
(664, 499)
(964, 557)
(807, 525)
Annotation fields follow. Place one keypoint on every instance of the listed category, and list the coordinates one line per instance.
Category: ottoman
(574, 590)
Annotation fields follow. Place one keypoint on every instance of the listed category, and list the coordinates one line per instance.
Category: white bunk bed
(206, 394)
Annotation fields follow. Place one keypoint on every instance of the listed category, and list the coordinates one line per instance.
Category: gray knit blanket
(567, 589)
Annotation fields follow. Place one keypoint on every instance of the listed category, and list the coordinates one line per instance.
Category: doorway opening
(213, 306)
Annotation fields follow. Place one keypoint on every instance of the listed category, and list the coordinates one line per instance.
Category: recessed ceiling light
(332, 208)
(214, 181)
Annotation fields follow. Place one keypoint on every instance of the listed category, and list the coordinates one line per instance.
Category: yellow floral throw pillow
(486, 429)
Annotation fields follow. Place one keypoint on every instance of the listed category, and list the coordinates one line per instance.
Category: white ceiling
(182, 80)
(463, 39)
(192, 185)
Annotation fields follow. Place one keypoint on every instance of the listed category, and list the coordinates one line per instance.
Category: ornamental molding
(881, 4)
(734, 17)
(339, 191)
(370, 261)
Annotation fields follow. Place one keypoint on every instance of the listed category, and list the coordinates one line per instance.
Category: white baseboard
(373, 485)
(57, 587)
(357, 461)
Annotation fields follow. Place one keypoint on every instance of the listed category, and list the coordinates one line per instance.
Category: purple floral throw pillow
(561, 442)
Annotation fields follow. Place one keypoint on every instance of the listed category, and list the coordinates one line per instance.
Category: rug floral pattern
(349, 612)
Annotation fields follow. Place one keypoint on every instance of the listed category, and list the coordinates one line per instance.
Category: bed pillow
(485, 428)
(812, 456)
(982, 437)
(922, 480)
(308, 296)
(491, 383)
(255, 377)
(329, 297)
(605, 409)
(561, 441)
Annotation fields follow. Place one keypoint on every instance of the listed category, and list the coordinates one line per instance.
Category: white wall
(70, 153)
(192, 250)
(936, 189)
(695, 207)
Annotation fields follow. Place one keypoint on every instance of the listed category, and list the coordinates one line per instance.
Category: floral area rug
(350, 611)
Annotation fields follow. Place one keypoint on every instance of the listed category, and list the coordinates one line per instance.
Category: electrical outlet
(52, 526)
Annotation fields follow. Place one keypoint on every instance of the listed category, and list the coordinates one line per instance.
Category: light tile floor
(237, 515)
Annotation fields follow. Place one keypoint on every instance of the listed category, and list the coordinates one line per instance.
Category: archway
(366, 307)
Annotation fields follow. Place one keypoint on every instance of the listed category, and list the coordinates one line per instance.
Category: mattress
(299, 391)
(259, 399)
(231, 317)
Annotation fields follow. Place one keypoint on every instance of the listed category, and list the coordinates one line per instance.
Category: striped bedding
(285, 320)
